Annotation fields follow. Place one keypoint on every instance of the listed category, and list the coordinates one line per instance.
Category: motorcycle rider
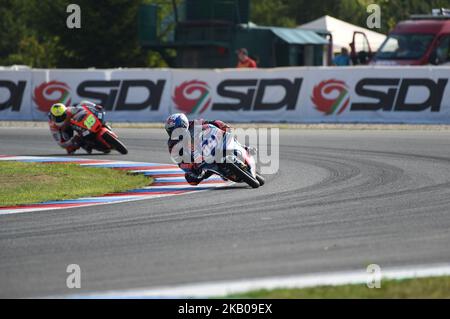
(59, 123)
(194, 174)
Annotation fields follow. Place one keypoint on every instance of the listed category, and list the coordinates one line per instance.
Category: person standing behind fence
(244, 61)
(342, 59)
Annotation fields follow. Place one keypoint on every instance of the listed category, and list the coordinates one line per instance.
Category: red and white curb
(168, 180)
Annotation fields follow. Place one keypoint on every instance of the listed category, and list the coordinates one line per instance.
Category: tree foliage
(295, 12)
(34, 32)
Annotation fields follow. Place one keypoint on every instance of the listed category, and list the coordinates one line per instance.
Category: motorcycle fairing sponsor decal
(195, 96)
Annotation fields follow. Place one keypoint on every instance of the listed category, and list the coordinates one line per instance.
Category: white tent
(342, 33)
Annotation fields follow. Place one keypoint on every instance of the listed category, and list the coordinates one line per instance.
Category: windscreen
(404, 46)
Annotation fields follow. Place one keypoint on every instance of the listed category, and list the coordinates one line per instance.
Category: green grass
(26, 183)
(430, 287)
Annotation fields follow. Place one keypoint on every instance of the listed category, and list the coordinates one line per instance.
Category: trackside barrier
(296, 94)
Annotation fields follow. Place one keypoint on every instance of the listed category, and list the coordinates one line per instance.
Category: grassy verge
(430, 287)
(25, 183)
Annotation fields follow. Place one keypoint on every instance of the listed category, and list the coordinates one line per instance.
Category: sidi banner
(125, 95)
(296, 94)
(238, 95)
(308, 95)
(392, 95)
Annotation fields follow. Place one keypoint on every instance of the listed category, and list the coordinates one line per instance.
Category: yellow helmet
(58, 113)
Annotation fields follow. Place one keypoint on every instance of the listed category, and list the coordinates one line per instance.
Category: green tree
(296, 12)
(34, 32)
(273, 13)
(107, 37)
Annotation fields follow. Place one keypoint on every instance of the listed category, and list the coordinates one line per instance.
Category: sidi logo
(11, 95)
(331, 96)
(192, 97)
(392, 94)
(117, 91)
(241, 94)
(250, 94)
(380, 94)
(48, 93)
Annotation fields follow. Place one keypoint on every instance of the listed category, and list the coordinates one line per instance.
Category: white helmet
(177, 120)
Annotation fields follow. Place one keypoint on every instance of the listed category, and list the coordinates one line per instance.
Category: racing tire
(244, 176)
(260, 179)
(115, 143)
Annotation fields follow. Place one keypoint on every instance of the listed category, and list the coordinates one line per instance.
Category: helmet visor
(59, 119)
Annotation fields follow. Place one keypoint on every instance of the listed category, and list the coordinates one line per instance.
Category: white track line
(223, 288)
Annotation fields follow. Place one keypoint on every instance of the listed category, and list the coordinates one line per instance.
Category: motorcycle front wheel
(244, 175)
(115, 143)
(260, 179)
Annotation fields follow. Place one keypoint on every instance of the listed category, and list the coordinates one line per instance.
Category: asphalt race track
(340, 201)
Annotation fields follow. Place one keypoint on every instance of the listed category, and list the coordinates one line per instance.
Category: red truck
(421, 40)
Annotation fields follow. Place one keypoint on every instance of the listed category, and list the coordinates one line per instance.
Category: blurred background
(191, 33)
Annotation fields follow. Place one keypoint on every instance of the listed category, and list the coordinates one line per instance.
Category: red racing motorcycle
(95, 133)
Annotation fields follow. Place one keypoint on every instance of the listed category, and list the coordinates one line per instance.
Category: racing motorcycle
(95, 133)
(234, 161)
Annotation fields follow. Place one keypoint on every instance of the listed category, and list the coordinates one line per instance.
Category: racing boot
(194, 179)
(71, 149)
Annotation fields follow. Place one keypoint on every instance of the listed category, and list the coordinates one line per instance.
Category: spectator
(244, 61)
(342, 59)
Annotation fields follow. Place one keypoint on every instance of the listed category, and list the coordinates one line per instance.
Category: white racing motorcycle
(225, 156)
